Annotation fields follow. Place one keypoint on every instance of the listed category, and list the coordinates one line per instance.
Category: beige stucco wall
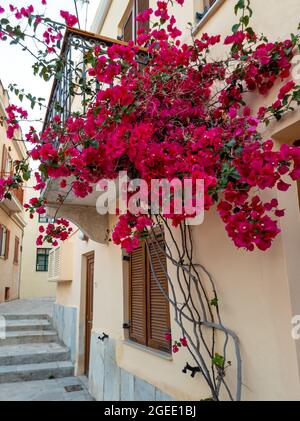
(259, 292)
(9, 271)
(13, 221)
(33, 284)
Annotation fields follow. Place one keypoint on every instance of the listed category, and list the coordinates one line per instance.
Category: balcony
(15, 204)
(76, 45)
(67, 98)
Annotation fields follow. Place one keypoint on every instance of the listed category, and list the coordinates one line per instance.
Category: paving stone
(44, 390)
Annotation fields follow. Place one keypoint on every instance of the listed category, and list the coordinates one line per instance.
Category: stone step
(33, 353)
(27, 324)
(25, 337)
(41, 371)
(25, 316)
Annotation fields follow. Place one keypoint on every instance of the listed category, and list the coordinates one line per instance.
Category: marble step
(27, 325)
(9, 316)
(25, 337)
(40, 371)
(33, 353)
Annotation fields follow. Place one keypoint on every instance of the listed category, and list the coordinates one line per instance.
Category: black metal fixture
(126, 325)
(103, 337)
(194, 370)
(200, 16)
(126, 258)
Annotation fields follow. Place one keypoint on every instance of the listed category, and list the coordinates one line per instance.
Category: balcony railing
(74, 72)
(19, 194)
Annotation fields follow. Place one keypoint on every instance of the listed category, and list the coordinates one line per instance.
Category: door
(89, 309)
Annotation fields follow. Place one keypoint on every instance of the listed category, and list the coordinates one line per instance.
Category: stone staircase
(31, 350)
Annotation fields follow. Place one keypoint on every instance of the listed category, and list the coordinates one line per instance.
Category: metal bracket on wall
(103, 337)
(193, 370)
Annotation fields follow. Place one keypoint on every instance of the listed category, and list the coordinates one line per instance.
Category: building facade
(34, 272)
(260, 291)
(12, 221)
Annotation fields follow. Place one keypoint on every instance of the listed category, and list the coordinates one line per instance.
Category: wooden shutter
(143, 5)
(4, 160)
(209, 3)
(137, 296)
(158, 313)
(16, 251)
(7, 241)
(127, 30)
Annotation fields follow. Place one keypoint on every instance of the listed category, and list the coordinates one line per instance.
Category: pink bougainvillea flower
(168, 337)
(70, 20)
(184, 342)
(175, 349)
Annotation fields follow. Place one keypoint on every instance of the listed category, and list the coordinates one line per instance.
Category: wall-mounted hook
(194, 370)
(103, 337)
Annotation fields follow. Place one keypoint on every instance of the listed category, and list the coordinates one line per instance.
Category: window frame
(17, 250)
(47, 219)
(145, 339)
(131, 13)
(4, 242)
(46, 262)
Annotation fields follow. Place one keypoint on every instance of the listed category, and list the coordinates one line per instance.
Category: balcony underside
(12, 205)
(80, 211)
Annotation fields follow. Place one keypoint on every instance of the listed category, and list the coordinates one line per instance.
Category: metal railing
(76, 44)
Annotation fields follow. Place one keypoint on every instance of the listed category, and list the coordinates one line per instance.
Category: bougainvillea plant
(181, 115)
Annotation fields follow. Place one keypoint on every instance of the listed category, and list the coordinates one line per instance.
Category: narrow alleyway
(34, 364)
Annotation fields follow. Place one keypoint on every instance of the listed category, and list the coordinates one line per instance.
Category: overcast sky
(16, 65)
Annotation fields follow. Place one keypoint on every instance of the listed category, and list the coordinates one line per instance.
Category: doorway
(89, 309)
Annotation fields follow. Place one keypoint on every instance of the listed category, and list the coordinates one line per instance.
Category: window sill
(208, 15)
(154, 352)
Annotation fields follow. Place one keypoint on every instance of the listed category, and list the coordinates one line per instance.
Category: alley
(34, 364)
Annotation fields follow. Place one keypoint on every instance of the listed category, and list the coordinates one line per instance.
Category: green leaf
(214, 302)
(218, 360)
(235, 28)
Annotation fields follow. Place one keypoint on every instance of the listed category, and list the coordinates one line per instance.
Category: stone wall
(109, 382)
(65, 322)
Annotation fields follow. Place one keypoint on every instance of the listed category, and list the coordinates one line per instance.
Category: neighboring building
(260, 292)
(12, 221)
(34, 272)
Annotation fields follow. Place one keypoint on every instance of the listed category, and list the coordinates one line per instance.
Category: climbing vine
(179, 115)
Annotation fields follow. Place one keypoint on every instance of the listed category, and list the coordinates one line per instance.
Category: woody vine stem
(193, 296)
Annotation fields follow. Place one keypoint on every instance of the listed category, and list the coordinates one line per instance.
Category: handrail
(76, 38)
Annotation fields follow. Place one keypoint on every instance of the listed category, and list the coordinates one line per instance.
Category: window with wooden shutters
(16, 251)
(148, 307)
(4, 242)
(137, 296)
(4, 160)
(143, 5)
(130, 27)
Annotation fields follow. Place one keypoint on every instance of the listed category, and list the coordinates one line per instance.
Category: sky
(16, 65)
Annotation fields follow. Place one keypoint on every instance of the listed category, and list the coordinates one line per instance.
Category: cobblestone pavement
(46, 390)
